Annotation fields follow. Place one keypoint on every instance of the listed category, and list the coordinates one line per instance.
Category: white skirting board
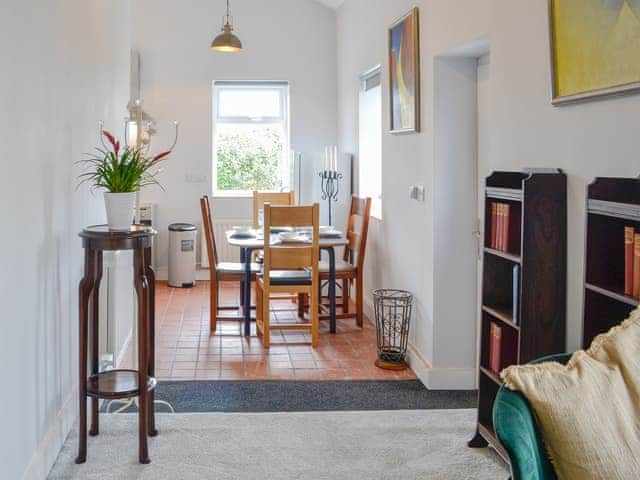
(433, 378)
(47, 450)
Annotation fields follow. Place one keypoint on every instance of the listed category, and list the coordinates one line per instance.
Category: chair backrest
(285, 199)
(292, 256)
(209, 237)
(357, 231)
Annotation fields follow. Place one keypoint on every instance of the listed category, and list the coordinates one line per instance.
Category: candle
(335, 158)
(325, 159)
(330, 158)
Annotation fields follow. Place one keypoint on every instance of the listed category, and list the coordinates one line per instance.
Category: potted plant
(121, 173)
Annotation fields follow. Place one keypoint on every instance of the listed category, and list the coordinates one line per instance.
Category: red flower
(160, 156)
(116, 147)
(112, 141)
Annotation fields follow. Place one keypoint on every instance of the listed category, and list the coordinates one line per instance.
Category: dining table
(250, 241)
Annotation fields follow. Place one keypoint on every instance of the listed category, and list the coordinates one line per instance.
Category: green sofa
(516, 429)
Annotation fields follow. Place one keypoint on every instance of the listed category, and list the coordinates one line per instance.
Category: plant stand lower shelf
(116, 384)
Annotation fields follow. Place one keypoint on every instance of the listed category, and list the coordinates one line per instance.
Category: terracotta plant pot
(120, 209)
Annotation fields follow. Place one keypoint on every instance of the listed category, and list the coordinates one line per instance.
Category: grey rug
(299, 396)
(422, 444)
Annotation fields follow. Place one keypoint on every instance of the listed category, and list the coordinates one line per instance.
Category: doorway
(461, 89)
(483, 79)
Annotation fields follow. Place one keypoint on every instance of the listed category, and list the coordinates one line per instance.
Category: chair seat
(230, 268)
(290, 277)
(341, 266)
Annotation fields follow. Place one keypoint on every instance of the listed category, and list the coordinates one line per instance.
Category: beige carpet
(415, 444)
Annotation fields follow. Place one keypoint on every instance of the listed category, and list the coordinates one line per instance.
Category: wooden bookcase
(538, 253)
(612, 204)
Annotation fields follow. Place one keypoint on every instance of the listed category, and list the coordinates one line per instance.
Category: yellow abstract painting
(595, 47)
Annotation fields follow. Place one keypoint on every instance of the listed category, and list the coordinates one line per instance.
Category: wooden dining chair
(220, 271)
(290, 268)
(284, 199)
(276, 199)
(351, 267)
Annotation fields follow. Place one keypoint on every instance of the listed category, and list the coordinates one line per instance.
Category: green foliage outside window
(249, 160)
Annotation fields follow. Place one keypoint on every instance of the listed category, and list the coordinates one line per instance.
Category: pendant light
(227, 41)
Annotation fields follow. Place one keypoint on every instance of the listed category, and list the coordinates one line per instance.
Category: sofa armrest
(518, 433)
(516, 429)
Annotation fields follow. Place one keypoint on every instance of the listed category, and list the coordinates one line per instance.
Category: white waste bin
(182, 255)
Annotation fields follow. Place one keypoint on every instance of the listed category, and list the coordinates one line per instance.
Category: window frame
(217, 119)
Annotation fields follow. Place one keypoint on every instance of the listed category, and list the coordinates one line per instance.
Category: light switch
(416, 192)
(195, 178)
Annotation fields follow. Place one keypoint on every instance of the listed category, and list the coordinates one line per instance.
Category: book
(505, 229)
(494, 225)
(499, 229)
(495, 340)
(636, 265)
(516, 295)
(629, 234)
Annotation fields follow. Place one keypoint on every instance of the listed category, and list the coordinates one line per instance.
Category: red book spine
(494, 225)
(636, 266)
(500, 226)
(628, 260)
(494, 347)
(505, 228)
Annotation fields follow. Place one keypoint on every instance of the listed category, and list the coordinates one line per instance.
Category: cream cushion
(588, 411)
(341, 266)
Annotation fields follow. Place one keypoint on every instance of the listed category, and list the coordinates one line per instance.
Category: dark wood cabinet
(612, 205)
(524, 286)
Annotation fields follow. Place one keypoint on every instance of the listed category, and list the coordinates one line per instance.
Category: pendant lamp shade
(227, 41)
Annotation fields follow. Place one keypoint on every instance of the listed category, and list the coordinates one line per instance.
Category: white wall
(65, 67)
(393, 259)
(587, 140)
(290, 40)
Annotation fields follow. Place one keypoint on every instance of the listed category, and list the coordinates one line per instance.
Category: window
(250, 136)
(370, 140)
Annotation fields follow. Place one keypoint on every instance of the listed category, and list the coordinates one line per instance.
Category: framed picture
(404, 73)
(594, 48)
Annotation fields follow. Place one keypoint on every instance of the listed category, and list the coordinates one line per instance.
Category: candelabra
(330, 185)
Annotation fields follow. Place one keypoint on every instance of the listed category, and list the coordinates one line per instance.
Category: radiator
(226, 253)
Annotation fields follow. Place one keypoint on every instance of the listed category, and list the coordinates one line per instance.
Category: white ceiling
(331, 3)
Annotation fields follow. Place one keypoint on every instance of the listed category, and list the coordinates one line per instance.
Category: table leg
(142, 289)
(95, 337)
(247, 291)
(242, 285)
(332, 289)
(151, 276)
(84, 292)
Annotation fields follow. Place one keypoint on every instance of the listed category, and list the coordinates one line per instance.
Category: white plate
(242, 229)
(293, 237)
(321, 229)
(289, 236)
(331, 233)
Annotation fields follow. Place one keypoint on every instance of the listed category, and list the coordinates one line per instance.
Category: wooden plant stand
(116, 384)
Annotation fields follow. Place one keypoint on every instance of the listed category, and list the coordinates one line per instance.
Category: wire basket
(393, 315)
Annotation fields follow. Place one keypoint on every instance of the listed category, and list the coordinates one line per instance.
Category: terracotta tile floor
(185, 351)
